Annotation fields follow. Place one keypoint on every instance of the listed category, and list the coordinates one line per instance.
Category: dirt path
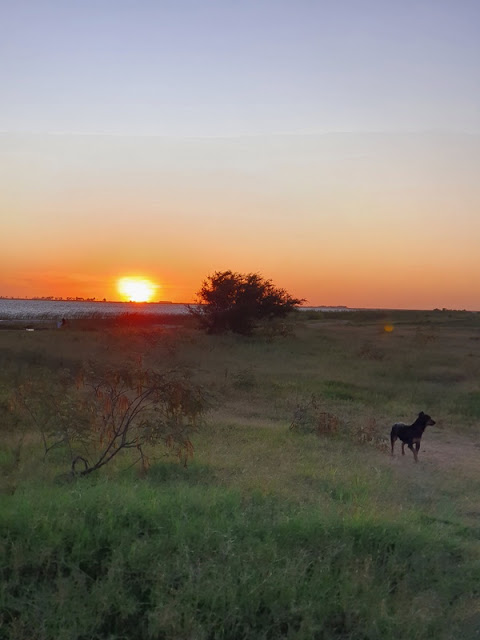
(448, 471)
(443, 450)
(453, 451)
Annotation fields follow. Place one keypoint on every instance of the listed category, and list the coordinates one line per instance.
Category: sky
(332, 147)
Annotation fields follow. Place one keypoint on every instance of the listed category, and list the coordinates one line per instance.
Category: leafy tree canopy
(230, 301)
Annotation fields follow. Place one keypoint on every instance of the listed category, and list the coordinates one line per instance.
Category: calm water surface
(57, 309)
(51, 309)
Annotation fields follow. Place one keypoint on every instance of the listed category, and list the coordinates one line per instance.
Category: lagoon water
(32, 310)
(54, 309)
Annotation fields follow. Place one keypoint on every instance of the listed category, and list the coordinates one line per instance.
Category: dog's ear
(421, 414)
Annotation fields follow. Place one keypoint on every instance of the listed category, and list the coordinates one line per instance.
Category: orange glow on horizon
(136, 289)
(351, 280)
(384, 227)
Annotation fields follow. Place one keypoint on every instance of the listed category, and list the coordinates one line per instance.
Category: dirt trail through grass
(445, 449)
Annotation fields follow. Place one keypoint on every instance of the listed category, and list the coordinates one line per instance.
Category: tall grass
(271, 532)
(134, 560)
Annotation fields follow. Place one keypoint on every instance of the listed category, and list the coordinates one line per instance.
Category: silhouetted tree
(229, 301)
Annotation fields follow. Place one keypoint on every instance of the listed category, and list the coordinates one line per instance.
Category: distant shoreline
(313, 307)
(90, 300)
(46, 308)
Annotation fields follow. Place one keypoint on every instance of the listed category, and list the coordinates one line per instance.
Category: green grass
(270, 532)
(146, 561)
(469, 404)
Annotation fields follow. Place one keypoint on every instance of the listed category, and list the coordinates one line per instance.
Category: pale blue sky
(195, 68)
(332, 146)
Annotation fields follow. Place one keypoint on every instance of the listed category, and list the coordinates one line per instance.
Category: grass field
(292, 520)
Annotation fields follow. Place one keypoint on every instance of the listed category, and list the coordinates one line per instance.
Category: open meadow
(291, 520)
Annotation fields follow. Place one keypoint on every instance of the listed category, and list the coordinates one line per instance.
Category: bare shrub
(108, 410)
(311, 417)
(368, 432)
(44, 403)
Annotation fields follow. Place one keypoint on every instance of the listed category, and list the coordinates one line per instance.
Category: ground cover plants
(291, 520)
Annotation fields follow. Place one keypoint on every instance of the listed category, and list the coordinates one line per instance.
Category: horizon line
(169, 302)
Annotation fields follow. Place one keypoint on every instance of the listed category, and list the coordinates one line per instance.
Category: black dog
(411, 434)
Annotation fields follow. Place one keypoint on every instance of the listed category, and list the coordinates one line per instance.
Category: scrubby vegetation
(238, 302)
(290, 521)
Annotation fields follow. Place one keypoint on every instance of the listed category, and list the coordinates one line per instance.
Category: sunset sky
(333, 147)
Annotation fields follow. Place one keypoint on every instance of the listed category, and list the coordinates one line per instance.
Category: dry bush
(367, 432)
(311, 417)
(44, 403)
(107, 410)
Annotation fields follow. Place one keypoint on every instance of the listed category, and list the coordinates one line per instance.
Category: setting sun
(135, 289)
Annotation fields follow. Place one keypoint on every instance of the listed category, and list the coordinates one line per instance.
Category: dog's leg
(403, 448)
(415, 453)
(392, 441)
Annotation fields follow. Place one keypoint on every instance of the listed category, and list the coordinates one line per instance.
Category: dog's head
(426, 419)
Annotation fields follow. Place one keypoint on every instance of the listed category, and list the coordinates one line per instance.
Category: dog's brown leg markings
(417, 448)
(393, 439)
(414, 450)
